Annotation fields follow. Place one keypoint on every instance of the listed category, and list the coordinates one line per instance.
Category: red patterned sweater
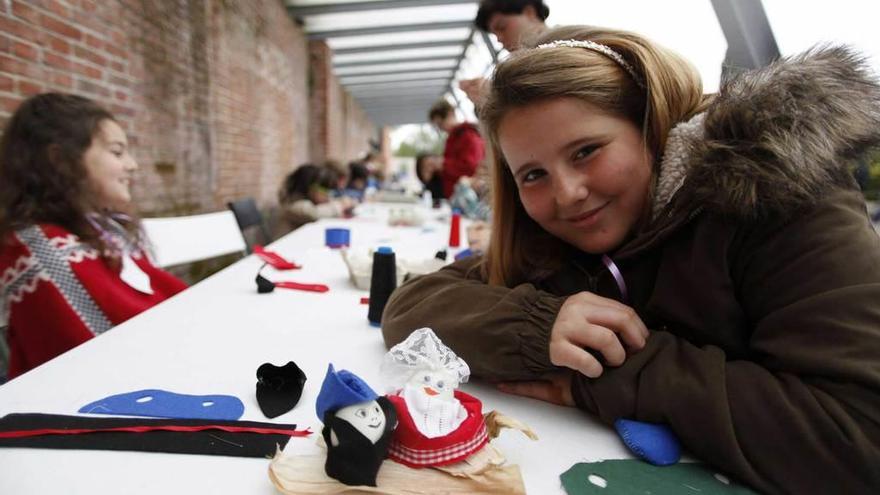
(59, 293)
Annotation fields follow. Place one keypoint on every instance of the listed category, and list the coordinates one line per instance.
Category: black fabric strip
(213, 442)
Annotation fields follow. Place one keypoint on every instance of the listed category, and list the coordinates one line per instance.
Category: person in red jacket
(464, 148)
(73, 260)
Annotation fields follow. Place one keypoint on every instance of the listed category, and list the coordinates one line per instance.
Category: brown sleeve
(502, 333)
(803, 414)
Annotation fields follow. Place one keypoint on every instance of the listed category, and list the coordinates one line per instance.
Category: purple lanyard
(618, 277)
(105, 235)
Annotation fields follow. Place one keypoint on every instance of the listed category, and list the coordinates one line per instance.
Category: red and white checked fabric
(411, 448)
(438, 457)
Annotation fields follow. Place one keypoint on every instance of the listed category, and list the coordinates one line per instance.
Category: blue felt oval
(163, 404)
(654, 443)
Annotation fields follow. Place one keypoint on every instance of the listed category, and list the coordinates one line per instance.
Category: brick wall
(214, 94)
(339, 127)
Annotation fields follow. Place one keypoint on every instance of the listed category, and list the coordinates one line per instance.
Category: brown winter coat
(759, 278)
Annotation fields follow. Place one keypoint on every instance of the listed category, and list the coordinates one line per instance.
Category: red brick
(115, 50)
(9, 104)
(6, 83)
(119, 38)
(88, 5)
(121, 96)
(25, 12)
(27, 88)
(25, 50)
(18, 28)
(94, 41)
(57, 61)
(20, 67)
(57, 8)
(119, 81)
(61, 80)
(63, 28)
(59, 45)
(93, 88)
(60, 62)
(90, 55)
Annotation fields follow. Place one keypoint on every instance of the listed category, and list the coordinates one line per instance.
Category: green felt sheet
(636, 477)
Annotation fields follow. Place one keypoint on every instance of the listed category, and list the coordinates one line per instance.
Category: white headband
(597, 47)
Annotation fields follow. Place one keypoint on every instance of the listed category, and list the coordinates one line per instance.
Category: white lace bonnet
(421, 350)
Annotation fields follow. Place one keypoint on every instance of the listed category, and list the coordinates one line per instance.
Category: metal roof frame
(392, 94)
(386, 48)
(395, 28)
(359, 63)
(386, 87)
(344, 7)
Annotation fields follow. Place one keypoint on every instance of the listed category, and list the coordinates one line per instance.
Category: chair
(178, 240)
(249, 219)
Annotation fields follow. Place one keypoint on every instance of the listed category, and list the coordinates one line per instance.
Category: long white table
(211, 338)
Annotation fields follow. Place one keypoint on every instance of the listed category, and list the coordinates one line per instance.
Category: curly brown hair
(42, 175)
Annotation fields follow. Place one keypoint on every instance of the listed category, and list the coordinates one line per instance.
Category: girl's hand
(588, 321)
(555, 389)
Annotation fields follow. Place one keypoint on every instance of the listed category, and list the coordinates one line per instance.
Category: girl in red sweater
(73, 261)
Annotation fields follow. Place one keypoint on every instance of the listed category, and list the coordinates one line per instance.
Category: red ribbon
(300, 286)
(145, 429)
(275, 259)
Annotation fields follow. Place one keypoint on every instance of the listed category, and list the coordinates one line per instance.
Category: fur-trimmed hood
(774, 138)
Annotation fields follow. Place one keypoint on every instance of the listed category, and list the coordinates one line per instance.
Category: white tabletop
(211, 338)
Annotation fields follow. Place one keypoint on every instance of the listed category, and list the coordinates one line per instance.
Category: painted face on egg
(367, 417)
(435, 384)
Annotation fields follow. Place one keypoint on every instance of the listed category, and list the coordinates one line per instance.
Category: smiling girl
(72, 259)
(661, 256)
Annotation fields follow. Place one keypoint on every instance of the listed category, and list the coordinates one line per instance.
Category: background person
(512, 22)
(305, 196)
(464, 148)
(429, 168)
(73, 258)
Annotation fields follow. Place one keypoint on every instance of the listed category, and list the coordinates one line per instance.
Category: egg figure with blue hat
(358, 424)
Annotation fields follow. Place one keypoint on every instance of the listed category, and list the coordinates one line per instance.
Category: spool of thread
(336, 238)
(455, 229)
(382, 283)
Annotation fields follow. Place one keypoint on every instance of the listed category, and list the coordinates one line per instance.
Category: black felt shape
(264, 285)
(279, 388)
(210, 442)
(356, 460)
(441, 255)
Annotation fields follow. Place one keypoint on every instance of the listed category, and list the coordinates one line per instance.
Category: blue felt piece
(341, 388)
(463, 254)
(164, 404)
(654, 443)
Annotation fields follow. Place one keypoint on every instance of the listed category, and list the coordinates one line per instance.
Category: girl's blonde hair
(520, 250)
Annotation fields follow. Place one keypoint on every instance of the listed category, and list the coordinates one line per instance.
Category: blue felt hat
(341, 388)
